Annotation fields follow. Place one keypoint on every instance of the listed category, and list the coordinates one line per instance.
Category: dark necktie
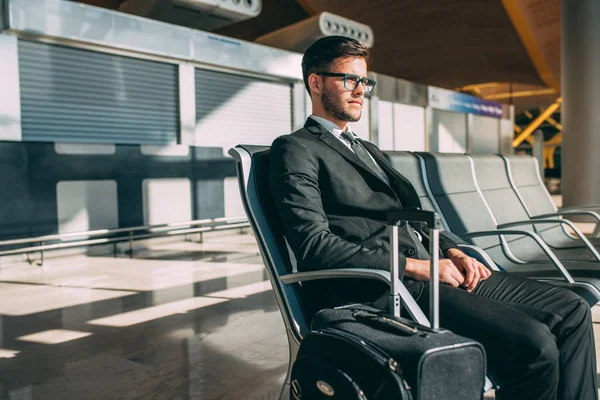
(360, 151)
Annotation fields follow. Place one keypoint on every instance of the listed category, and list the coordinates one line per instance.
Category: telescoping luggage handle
(432, 220)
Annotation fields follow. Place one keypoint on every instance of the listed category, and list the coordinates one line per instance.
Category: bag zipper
(370, 318)
(400, 325)
(392, 320)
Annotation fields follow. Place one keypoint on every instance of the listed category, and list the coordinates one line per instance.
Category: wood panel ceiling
(436, 42)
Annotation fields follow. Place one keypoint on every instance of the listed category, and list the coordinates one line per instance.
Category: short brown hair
(324, 51)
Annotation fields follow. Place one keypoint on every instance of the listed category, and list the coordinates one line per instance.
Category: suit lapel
(380, 159)
(329, 139)
(406, 190)
(407, 187)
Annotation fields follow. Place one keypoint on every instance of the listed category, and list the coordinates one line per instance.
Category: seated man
(332, 192)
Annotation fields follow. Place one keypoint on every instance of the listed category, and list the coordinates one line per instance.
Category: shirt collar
(331, 127)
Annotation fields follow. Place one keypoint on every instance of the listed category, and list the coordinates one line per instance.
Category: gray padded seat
(409, 165)
(527, 183)
(452, 183)
(454, 190)
(525, 175)
(506, 207)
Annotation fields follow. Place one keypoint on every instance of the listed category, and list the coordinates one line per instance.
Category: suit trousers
(538, 338)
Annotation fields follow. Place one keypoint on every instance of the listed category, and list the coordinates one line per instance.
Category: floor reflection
(154, 328)
(177, 327)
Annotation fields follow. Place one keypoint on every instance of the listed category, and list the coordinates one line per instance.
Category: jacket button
(411, 252)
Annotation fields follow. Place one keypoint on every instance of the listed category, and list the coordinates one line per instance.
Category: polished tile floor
(180, 321)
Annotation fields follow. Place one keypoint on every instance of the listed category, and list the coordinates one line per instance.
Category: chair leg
(293, 347)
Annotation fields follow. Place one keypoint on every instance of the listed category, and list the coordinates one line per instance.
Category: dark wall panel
(15, 204)
(32, 170)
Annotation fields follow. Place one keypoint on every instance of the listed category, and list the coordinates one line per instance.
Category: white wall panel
(167, 200)
(84, 148)
(233, 109)
(361, 127)
(385, 120)
(485, 135)
(449, 134)
(507, 133)
(187, 104)
(86, 205)
(233, 201)
(307, 104)
(178, 150)
(409, 127)
(10, 94)
(298, 106)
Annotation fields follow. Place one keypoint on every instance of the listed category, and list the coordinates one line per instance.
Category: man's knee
(531, 367)
(583, 309)
(576, 307)
(538, 348)
(571, 296)
(581, 317)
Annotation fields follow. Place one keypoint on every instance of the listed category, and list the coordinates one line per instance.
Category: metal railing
(107, 236)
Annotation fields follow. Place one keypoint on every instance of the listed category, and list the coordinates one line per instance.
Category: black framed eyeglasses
(351, 81)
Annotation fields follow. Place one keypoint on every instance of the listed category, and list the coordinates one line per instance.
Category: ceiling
(437, 42)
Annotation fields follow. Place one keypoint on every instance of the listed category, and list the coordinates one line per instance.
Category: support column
(538, 150)
(580, 81)
(3, 15)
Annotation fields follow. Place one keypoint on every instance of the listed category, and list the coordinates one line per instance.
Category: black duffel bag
(361, 353)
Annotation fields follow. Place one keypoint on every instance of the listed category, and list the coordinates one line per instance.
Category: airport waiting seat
(525, 179)
(451, 182)
(411, 167)
(509, 211)
(252, 164)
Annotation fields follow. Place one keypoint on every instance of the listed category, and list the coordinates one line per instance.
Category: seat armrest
(561, 213)
(296, 277)
(571, 211)
(570, 224)
(510, 232)
(409, 302)
(587, 207)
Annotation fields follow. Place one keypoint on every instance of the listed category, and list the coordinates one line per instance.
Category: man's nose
(360, 89)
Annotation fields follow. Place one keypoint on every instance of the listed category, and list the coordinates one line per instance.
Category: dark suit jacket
(333, 206)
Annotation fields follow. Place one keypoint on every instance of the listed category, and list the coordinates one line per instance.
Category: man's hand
(456, 270)
(420, 271)
(473, 270)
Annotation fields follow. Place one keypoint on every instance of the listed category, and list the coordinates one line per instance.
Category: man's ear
(315, 83)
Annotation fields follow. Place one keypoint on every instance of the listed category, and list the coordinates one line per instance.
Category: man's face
(339, 102)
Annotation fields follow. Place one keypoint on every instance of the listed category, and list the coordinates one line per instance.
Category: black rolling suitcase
(358, 352)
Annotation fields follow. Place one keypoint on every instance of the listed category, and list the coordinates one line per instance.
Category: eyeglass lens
(351, 82)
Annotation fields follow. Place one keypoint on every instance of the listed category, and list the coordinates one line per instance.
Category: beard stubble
(333, 105)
